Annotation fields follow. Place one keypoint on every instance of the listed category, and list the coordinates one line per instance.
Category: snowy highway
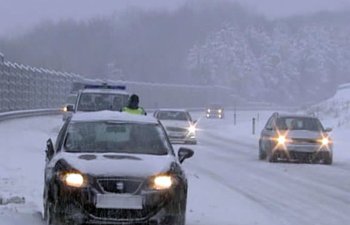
(228, 185)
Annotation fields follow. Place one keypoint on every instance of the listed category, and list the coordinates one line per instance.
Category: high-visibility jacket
(138, 111)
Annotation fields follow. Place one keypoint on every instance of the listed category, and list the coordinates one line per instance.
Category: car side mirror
(70, 108)
(328, 129)
(49, 149)
(184, 153)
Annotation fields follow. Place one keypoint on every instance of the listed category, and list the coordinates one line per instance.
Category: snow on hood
(176, 123)
(110, 164)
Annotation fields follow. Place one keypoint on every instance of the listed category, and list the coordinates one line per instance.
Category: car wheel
(271, 157)
(328, 159)
(262, 154)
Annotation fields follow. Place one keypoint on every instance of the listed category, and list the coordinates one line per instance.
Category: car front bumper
(158, 207)
(214, 115)
(183, 139)
(297, 151)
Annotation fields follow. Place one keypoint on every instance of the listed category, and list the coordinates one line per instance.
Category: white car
(71, 99)
(99, 98)
(178, 124)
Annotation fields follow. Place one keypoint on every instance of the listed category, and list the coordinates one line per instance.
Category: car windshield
(102, 101)
(299, 123)
(172, 115)
(116, 137)
(215, 107)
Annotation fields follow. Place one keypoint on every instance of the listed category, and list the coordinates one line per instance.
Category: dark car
(71, 99)
(214, 111)
(114, 168)
(295, 138)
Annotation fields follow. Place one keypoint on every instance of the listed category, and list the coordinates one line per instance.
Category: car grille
(304, 141)
(119, 185)
(176, 129)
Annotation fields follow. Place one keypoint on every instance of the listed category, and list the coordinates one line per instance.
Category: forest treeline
(288, 60)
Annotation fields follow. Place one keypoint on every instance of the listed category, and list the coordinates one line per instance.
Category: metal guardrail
(28, 113)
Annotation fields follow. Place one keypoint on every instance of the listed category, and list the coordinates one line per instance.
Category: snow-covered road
(228, 184)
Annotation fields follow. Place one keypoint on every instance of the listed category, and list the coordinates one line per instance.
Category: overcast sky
(20, 15)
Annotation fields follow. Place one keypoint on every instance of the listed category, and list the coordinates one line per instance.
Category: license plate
(116, 201)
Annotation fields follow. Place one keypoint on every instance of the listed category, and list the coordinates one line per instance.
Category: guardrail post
(253, 126)
(234, 118)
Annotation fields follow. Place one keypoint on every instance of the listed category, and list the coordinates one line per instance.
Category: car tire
(271, 157)
(262, 154)
(328, 159)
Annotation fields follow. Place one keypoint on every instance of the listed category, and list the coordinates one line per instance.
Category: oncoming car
(71, 99)
(214, 111)
(178, 124)
(114, 168)
(295, 137)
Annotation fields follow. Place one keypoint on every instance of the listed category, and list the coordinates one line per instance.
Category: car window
(101, 101)
(172, 115)
(117, 138)
(268, 125)
(299, 123)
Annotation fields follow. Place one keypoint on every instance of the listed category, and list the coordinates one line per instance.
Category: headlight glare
(325, 141)
(162, 182)
(74, 180)
(220, 111)
(281, 140)
(192, 129)
(208, 110)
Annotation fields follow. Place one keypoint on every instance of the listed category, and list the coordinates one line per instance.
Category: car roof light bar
(106, 86)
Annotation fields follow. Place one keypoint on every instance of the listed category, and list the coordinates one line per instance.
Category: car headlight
(162, 182)
(192, 129)
(281, 140)
(208, 110)
(64, 109)
(325, 141)
(73, 180)
(220, 111)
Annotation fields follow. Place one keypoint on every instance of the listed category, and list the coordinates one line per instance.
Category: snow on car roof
(112, 116)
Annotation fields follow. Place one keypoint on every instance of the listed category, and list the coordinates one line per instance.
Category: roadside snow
(228, 185)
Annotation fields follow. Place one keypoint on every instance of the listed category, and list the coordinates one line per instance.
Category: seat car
(100, 97)
(295, 138)
(71, 99)
(178, 124)
(214, 111)
(114, 168)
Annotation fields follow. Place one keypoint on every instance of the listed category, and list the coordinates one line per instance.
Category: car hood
(305, 134)
(109, 164)
(175, 123)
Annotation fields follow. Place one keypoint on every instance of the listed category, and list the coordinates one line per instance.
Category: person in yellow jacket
(133, 106)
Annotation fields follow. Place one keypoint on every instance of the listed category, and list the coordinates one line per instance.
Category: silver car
(295, 138)
(178, 124)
